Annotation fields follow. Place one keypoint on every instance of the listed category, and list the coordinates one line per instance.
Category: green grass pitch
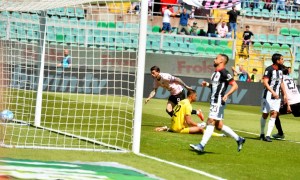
(257, 160)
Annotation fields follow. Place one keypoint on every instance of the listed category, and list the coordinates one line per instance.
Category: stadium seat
(156, 29)
(179, 39)
(70, 40)
(192, 48)
(294, 32)
(219, 50)
(80, 40)
(210, 51)
(60, 38)
(263, 38)
(266, 45)
(102, 24)
(280, 39)
(275, 46)
(285, 47)
(298, 15)
(73, 21)
(228, 52)
(292, 15)
(248, 12)
(272, 38)
(257, 46)
(120, 25)
(91, 23)
(265, 13)
(79, 13)
(196, 41)
(16, 15)
(70, 12)
(134, 26)
(289, 39)
(284, 31)
(169, 38)
(64, 20)
(256, 13)
(297, 40)
(200, 50)
(282, 15)
(111, 25)
(184, 48)
(156, 46)
(60, 11)
(5, 14)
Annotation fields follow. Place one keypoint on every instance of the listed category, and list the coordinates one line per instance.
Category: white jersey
(167, 82)
(167, 14)
(291, 90)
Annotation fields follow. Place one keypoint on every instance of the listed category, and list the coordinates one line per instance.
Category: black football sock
(278, 126)
(194, 111)
(170, 112)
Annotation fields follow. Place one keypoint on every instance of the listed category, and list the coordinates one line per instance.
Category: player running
(220, 80)
(174, 85)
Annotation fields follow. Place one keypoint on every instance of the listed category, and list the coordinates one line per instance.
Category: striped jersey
(291, 89)
(220, 80)
(274, 76)
(167, 81)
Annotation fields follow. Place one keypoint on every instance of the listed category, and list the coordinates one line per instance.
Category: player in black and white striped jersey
(273, 82)
(293, 102)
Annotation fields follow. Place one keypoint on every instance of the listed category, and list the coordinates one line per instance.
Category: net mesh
(88, 51)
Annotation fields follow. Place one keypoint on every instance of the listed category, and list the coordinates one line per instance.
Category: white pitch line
(259, 134)
(182, 166)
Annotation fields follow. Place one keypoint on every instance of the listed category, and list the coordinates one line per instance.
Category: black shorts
(294, 107)
(176, 98)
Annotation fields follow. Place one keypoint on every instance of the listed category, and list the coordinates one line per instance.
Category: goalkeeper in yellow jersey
(181, 121)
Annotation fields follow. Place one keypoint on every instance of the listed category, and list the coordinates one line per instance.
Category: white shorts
(216, 111)
(268, 105)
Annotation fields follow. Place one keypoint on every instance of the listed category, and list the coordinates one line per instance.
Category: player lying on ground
(181, 121)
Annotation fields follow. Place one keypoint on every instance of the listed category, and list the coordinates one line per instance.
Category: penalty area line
(181, 166)
(246, 132)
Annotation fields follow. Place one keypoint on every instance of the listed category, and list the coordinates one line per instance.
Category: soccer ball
(7, 115)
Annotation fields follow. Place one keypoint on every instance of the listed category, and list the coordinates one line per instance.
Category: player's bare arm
(179, 81)
(151, 95)
(266, 84)
(284, 93)
(233, 88)
(189, 121)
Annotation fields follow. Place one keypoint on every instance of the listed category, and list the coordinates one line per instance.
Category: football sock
(270, 126)
(207, 134)
(278, 126)
(230, 132)
(194, 111)
(262, 125)
(170, 112)
(215, 134)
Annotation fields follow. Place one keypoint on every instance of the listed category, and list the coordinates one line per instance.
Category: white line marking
(259, 134)
(182, 166)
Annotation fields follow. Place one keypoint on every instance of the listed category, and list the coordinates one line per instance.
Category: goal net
(69, 74)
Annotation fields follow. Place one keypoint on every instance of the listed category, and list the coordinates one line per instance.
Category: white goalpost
(72, 72)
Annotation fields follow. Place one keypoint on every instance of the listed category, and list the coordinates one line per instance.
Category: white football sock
(207, 134)
(270, 126)
(262, 125)
(230, 132)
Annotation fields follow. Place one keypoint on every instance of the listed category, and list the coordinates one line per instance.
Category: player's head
(221, 59)
(184, 10)
(254, 70)
(247, 27)
(233, 7)
(169, 6)
(66, 52)
(277, 59)
(192, 95)
(223, 23)
(286, 70)
(155, 71)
